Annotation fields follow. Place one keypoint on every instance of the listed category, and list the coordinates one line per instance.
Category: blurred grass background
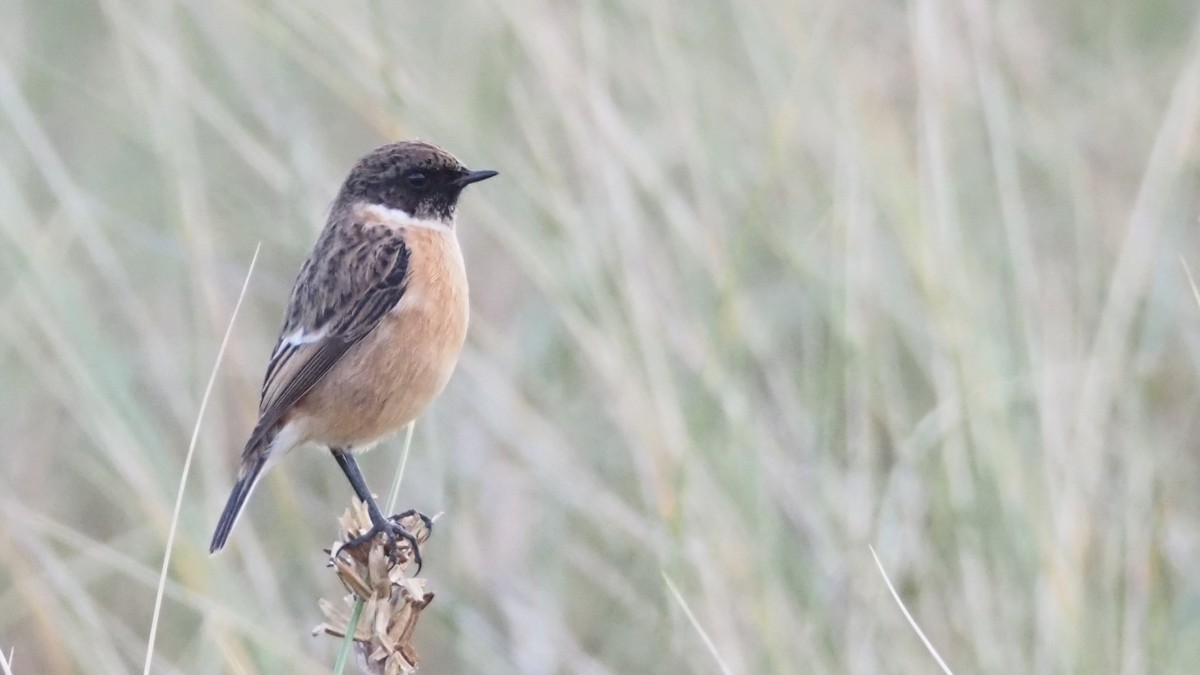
(761, 284)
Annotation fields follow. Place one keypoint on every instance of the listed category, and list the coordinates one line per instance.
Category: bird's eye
(416, 179)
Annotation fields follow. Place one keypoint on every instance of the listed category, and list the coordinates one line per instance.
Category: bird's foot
(413, 513)
(393, 531)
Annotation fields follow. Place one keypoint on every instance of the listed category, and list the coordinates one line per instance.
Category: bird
(374, 325)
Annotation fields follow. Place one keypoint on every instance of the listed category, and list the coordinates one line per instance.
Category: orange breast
(391, 376)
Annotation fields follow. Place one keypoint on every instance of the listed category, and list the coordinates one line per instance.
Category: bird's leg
(389, 526)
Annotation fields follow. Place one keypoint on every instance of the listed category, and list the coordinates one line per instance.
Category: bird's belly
(390, 377)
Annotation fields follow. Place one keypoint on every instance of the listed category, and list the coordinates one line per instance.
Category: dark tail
(247, 477)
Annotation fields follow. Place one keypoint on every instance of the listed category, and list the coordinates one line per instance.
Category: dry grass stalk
(392, 601)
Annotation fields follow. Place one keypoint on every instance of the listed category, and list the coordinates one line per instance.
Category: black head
(416, 177)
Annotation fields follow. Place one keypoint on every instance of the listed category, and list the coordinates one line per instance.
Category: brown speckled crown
(416, 177)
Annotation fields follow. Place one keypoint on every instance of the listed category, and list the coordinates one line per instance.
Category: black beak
(473, 177)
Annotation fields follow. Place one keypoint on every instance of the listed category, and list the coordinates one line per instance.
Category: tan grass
(187, 465)
(908, 616)
(760, 284)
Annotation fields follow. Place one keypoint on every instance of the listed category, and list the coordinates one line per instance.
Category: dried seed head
(392, 602)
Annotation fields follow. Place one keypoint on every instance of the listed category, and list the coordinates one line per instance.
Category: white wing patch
(302, 337)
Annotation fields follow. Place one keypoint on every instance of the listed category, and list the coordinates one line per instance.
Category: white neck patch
(398, 217)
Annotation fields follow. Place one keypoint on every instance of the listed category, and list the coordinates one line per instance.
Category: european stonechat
(375, 323)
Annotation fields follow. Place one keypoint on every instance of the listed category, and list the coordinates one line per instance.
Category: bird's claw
(425, 520)
(393, 530)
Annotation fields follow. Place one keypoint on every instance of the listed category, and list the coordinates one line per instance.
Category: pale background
(761, 284)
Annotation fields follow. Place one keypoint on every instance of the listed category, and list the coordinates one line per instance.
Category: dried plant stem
(911, 621)
(394, 493)
(1191, 281)
(708, 643)
(348, 641)
(187, 465)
